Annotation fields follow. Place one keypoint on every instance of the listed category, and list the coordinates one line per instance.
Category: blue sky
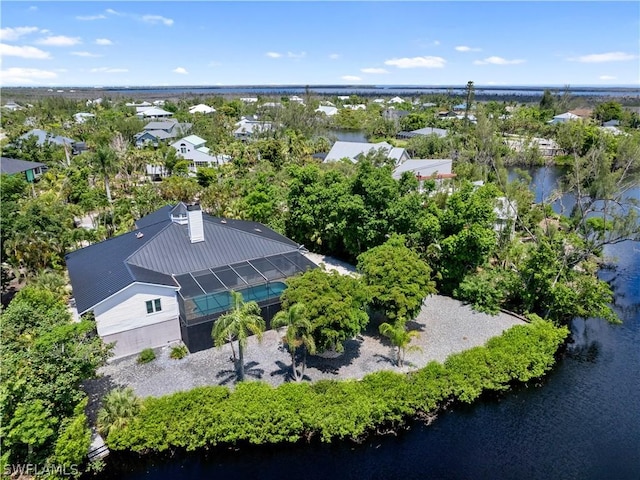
(381, 43)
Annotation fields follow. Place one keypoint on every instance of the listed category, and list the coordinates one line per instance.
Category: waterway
(582, 421)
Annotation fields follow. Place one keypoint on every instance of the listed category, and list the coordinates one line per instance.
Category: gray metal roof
(353, 150)
(42, 137)
(160, 248)
(424, 167)
(13, 165)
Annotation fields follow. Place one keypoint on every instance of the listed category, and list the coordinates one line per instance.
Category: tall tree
(398, 278)
(104, 160)
(241, 322)
(470, 95)
(299, 334)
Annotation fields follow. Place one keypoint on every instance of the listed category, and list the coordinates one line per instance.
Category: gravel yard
(446, 326)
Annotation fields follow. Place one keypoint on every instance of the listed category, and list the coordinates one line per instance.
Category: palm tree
(298, 334)
(119, 407)
(104, 159)
(400, 338)
(239, 323)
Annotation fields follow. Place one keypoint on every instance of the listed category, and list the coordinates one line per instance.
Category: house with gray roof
(170, 279)
(426, 169)
(30, 170)
(157, 132)
(42, 137)
(247, 128)
(355, 150)
(193, 148)
(152, 112)
(422, 132)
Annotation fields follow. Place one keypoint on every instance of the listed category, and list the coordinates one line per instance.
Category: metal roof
(13, 165)
(42, 137)
(353, 150)
(160, 248)
(424, 167)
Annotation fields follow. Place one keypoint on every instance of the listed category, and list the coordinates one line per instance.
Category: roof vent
(257, 230)
(139, 235)
(223, 221)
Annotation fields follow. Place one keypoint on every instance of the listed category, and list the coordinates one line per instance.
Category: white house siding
(124, 318)
(134, 341)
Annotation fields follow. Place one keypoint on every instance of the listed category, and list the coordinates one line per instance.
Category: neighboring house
(396, 100)
(247, 128)
(159, 103)
(327, 110)
(359, 106)
(611, 123)
(170, 279)
(296, 99)
(392, 114)
(153, 112)
(141, 105)
(506, 214)
(249, 99)
(343, 97)
(43, 137)
(422, 132)
(97, 101)
(13, 166)
(12, 106)
(354, 150)
(82, 117)
(271, 105)
(202, 108)
(612, 130)
(564, 117)
(546, 147)
(380, 101)
(155, 133)
(193, 148)
(426, 169)
(461, 107)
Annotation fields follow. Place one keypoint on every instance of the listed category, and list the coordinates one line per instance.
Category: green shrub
(178, 352)
(146, 355)
(328, 409)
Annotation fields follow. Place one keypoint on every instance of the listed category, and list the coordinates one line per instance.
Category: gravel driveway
(445, 325)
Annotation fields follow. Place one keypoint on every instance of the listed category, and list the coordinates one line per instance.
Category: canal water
(582, 421)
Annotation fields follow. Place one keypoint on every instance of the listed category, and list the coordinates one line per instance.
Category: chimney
(194, 220)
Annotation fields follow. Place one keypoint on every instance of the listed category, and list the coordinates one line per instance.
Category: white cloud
(497, 61)
(108, 70)
(111, 11)
(156, 19)
(12, 34)
(374, 70)
(417, 62)
(465, 48)
(296, 55)
(180, 70)
(21, 76)
(33, 8)
(85, 54)
(22, 52)
(604, 57)
(607, 77)
(88, 18)
(334, 56)
(273, 54)
(351, 78)
(59, 41)
(103, 41)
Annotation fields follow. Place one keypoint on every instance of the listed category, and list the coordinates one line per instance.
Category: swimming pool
(221, 301)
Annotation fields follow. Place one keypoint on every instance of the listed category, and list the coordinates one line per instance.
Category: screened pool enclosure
(205, 295)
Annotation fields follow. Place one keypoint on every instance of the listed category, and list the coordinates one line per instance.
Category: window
(154, 306)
